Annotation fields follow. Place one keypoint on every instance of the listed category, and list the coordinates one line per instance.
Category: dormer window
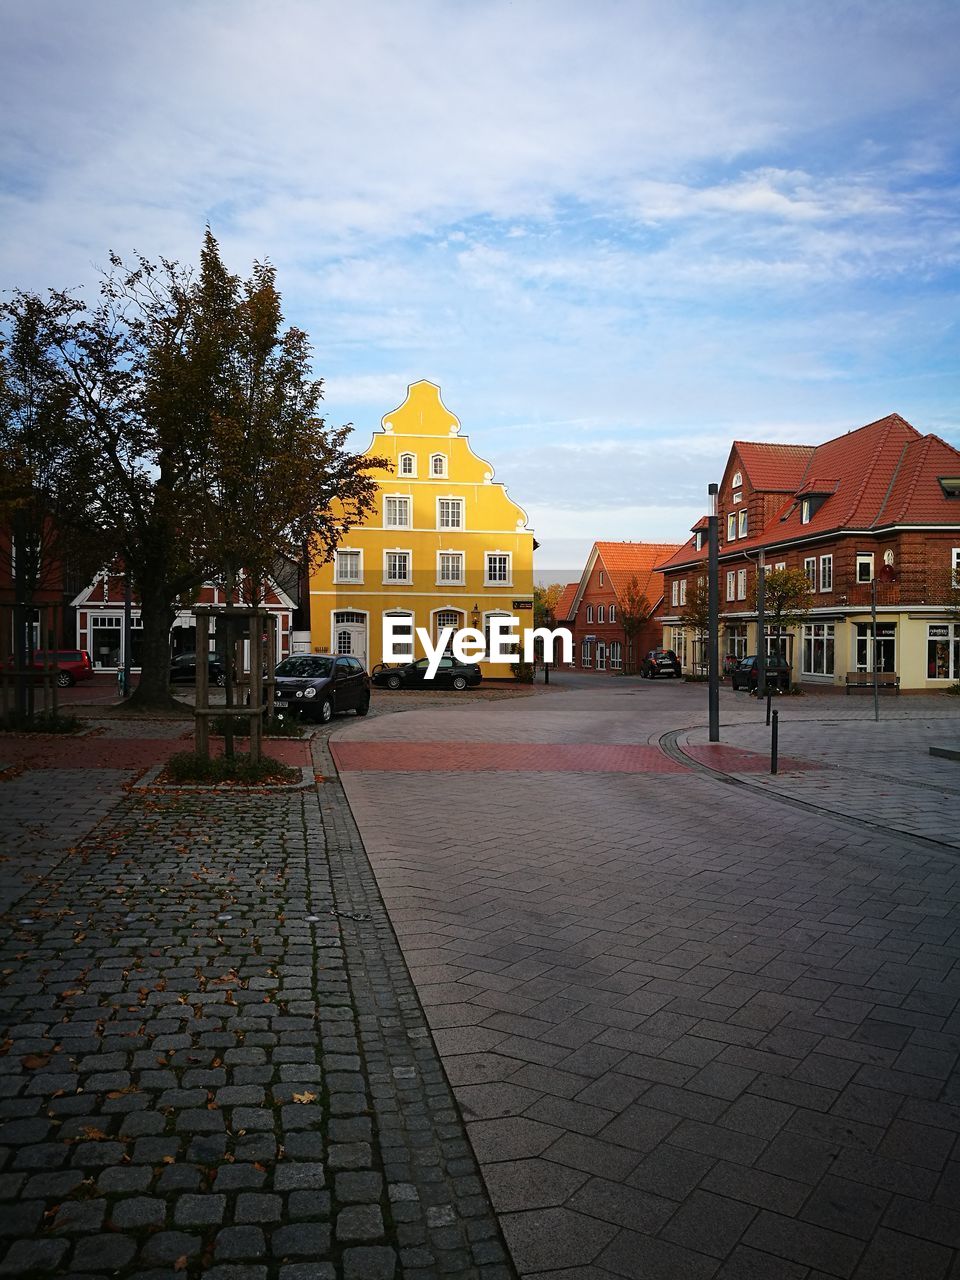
(950, 486)
(438, 464)
(408, 464)
(806, 511)
(698, 540)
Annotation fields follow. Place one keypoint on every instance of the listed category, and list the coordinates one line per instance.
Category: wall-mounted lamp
(475, 617)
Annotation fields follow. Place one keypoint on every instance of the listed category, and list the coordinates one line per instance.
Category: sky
(618, 235)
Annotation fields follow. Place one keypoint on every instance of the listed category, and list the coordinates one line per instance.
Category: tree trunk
(153, 691)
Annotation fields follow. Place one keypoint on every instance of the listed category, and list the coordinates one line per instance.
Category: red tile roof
(773, 468)
(881, 474)
(565, 603)
(626, 560)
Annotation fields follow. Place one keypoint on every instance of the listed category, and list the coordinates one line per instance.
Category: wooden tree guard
(254, 708)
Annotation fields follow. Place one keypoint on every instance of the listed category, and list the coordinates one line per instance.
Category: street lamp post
(713, 615)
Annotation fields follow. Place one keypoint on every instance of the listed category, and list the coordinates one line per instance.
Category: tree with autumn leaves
(195, 416)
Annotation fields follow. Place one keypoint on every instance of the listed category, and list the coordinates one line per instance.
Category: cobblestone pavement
(696, 1032)
(212, 1058)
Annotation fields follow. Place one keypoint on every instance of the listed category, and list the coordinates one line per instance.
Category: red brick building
(873, 514)
(596, 607)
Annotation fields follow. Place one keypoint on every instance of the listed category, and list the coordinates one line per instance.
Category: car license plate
(280, 702)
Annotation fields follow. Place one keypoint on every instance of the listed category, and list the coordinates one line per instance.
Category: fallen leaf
(34, 1061)
(304, 1097)
(181, 1263)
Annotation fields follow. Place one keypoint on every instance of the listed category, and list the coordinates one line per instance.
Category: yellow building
(446, 547)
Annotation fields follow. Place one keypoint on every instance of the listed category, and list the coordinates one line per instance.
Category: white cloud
(649, 226)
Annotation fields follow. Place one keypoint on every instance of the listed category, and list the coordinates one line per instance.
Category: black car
(451, 674)
(660, 662)
(316, 685)
(745, 674)
(183, 669)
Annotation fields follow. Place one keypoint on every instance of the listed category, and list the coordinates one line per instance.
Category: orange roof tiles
(880, 474)
(565, 603)
(626, 560)
(774, 468)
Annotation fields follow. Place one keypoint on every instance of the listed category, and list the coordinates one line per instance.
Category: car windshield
(305, 664)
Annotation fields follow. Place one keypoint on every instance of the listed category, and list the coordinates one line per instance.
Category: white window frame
(590, 613)
(434, 459)
(612, 613)
(810, 570)
(460, 503)
(406, 504)
(397, 551)
(404, 457)
(737, 480)
(616, 655)
(864, 560)
(348, 551)
(826, 573)
(731, 584)
(601, 613)
(675, 593)
(497, 582)
(586, 659)
(403, 613)
(683, 591)
(809, 636)
(743, 522)
(732, 527)
(805, 511)
(601, 656)
(955, 565)
(741, 584)
(450, 582)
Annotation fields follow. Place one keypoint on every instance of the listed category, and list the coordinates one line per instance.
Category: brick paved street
(212, 1059)
(696, 1029)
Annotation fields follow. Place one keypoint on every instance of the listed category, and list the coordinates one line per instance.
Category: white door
(352, 638)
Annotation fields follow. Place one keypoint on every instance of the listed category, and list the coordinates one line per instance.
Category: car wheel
(459, 682)
(393, 682)
(325, 711)
(363, 708)
(65, 679)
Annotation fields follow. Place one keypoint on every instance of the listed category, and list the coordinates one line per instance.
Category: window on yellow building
(498, 569)
(402, 631)
(349, 566)
(396, 566)
(396, 512)
(408, 464)
(438, 465)
(450, 567)
(450, 513)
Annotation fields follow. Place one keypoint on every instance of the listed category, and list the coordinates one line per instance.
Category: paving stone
(361, 1222)
(369, 1262)
(301, 1240)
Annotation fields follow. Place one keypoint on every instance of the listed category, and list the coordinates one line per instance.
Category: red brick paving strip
(501, 757)
(736, 760)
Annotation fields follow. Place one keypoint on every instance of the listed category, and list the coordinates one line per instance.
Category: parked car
(71, 664)
(317, 685)
(451, 674)
(183, 669)
(745, 674)
(660, 662)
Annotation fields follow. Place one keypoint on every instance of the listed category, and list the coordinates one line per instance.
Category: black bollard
(774, 734)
